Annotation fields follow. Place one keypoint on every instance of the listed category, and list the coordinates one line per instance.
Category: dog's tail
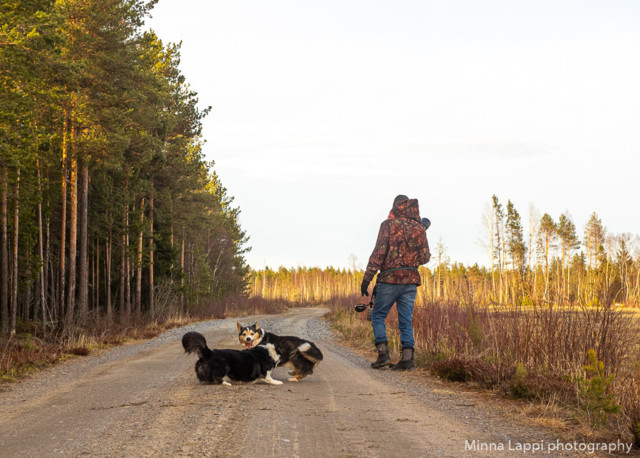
(194, 342)
(311, 352)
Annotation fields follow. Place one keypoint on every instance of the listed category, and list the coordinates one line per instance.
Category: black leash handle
(363, 307)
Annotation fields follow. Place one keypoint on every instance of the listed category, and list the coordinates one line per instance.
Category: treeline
(550, 264)
(304, 285)
(108, 208)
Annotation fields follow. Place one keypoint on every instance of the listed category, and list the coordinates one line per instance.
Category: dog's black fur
(299, 354)
(237, 365)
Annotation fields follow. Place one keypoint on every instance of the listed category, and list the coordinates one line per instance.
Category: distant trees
(305, 284)
(104, 194)
(548, 269)
(564, 275)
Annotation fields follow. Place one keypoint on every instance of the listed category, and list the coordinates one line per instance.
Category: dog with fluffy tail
(298, 354)
(217, 366)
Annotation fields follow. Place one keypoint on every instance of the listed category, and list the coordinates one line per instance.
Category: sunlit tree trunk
(83, 279)
(139, 261)
(171, 235)
(4, 253)
(63, 218)
(151, 248)
(123, 265)
(504, 284)
(27, 294)
(127, 268)
(182, 270)
(73, 226)
(41, 299)
(489, 222)
(16, 231)
(50, 291)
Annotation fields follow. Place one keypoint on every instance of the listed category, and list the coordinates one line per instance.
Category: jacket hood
(406, 209)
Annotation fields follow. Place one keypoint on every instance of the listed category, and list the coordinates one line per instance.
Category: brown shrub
(454, 369)
(79, 351)
(542, 388)
(466, 370)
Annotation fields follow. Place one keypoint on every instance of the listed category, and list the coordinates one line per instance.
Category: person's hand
(364, 287)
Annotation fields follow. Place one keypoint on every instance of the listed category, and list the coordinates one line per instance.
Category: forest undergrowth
(33, 348)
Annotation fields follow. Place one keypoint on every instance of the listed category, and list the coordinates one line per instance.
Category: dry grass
(537, 353)
(548, 414)
(23, 354)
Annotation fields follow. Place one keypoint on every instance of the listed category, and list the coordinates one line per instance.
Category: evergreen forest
(108, 209)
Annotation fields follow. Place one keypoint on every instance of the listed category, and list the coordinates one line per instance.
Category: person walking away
(401, 248)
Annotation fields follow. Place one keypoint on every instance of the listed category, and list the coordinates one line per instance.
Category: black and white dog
(298, 354)
(216, 366)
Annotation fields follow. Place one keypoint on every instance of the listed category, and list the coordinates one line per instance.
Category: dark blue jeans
(403, 296)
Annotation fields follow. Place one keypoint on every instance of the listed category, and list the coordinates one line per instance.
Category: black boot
(406, 363)
(383, 356)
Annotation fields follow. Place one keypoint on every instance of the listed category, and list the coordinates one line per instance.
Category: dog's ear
(239, 326)
(256, 326)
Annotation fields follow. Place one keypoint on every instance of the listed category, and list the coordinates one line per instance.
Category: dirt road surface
(145, 400)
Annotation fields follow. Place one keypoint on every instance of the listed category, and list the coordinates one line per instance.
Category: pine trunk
(546, 268)
(4, 253)
(92, 283)
(48, 272)
(127, 268)
(83, 278)
(73, 230)
(107, 267)
(123, 266)
(63, 219)
(171, 236)
(96, 303)
(151, 246)
(16, 232)
(182, 272)
(27, 294)
(41, 299)
(139, 261)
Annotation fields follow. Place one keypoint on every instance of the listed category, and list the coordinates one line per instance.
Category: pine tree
(515, 238)
(569, 241)
(624, 263)
(547, 236)
(567, 234)
(594, 236)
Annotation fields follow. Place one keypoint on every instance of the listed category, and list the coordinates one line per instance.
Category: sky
(324, 111)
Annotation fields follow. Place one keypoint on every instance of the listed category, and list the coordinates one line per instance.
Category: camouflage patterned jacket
(402, 242)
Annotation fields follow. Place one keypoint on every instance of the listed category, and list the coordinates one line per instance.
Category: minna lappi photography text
(549, 447)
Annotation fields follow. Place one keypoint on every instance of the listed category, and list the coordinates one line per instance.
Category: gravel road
(145, 400)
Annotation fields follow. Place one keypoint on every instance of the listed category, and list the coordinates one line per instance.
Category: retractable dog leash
(368, 307)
